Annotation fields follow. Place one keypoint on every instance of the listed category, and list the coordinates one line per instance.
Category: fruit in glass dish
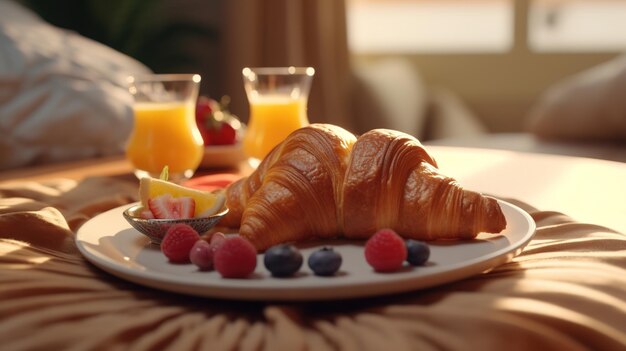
(164, 204)
(216, 124)
(167, 200)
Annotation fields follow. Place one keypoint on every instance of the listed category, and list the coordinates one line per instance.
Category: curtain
(267, 33)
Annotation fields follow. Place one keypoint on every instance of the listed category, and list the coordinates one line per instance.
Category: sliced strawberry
(162, 207)
(167, 207)
(186, 206)
(146, 214)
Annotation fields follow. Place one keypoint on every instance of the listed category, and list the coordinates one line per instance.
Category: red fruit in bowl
(223, 134)
(217, 126)
(203, 111)
(203, 107)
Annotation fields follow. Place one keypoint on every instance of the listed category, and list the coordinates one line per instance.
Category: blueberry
(325, 261)
(418, 252)
(282, 260)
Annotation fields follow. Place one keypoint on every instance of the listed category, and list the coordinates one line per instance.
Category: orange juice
(165, 134)
(272, 119)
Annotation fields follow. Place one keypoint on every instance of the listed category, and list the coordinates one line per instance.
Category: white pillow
(62, 96)
(588, 106)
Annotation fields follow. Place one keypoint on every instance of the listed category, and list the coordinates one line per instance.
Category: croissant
(323, 182)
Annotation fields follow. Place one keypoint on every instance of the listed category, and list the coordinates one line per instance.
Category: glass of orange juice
(278, 105)
(165, 131)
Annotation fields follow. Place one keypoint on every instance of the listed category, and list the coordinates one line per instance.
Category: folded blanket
(565, 291)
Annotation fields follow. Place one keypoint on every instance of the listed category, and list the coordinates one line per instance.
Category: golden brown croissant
(323, 182)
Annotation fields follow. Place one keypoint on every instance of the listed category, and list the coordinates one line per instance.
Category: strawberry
(217, 126)
(168, 207)
(186, 207)
(222, 133)
(146, 214)
(203, 107)
(178, 241)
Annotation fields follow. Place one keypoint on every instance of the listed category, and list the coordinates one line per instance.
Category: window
(408, 26)
(485, 26)
(577, 26)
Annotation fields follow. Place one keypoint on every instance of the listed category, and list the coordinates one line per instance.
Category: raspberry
(178, 241)
(385, 251)
(235, 257)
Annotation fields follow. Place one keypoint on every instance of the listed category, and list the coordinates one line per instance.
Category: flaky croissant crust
(323, 182)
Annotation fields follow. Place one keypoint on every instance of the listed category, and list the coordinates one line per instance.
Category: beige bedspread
(566, 291)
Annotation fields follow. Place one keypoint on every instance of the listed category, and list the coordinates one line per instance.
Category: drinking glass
(165, 131)
(278, 99)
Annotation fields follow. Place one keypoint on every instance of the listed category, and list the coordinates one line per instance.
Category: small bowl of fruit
(164, 204)
(222, 133)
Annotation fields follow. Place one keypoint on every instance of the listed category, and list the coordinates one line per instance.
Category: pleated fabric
(565, 291)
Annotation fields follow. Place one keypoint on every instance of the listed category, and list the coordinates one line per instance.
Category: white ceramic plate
(110, 243)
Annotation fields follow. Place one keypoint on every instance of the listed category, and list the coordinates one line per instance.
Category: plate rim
(393, 285)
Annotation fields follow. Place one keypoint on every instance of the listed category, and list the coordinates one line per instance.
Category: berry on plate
(216, 240)
(206, 203)
(201, 255)
(385, 251)
(235, 257)
(178, 241)
(282, 260)
(325, 261)
(418, 252)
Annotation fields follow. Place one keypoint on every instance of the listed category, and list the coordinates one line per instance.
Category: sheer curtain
(290, 33)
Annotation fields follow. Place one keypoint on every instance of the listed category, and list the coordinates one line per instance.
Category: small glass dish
(155, 229)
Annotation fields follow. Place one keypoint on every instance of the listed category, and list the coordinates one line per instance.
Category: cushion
(588, 106)
(62, 96)
(450, 117)
(389, 93)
